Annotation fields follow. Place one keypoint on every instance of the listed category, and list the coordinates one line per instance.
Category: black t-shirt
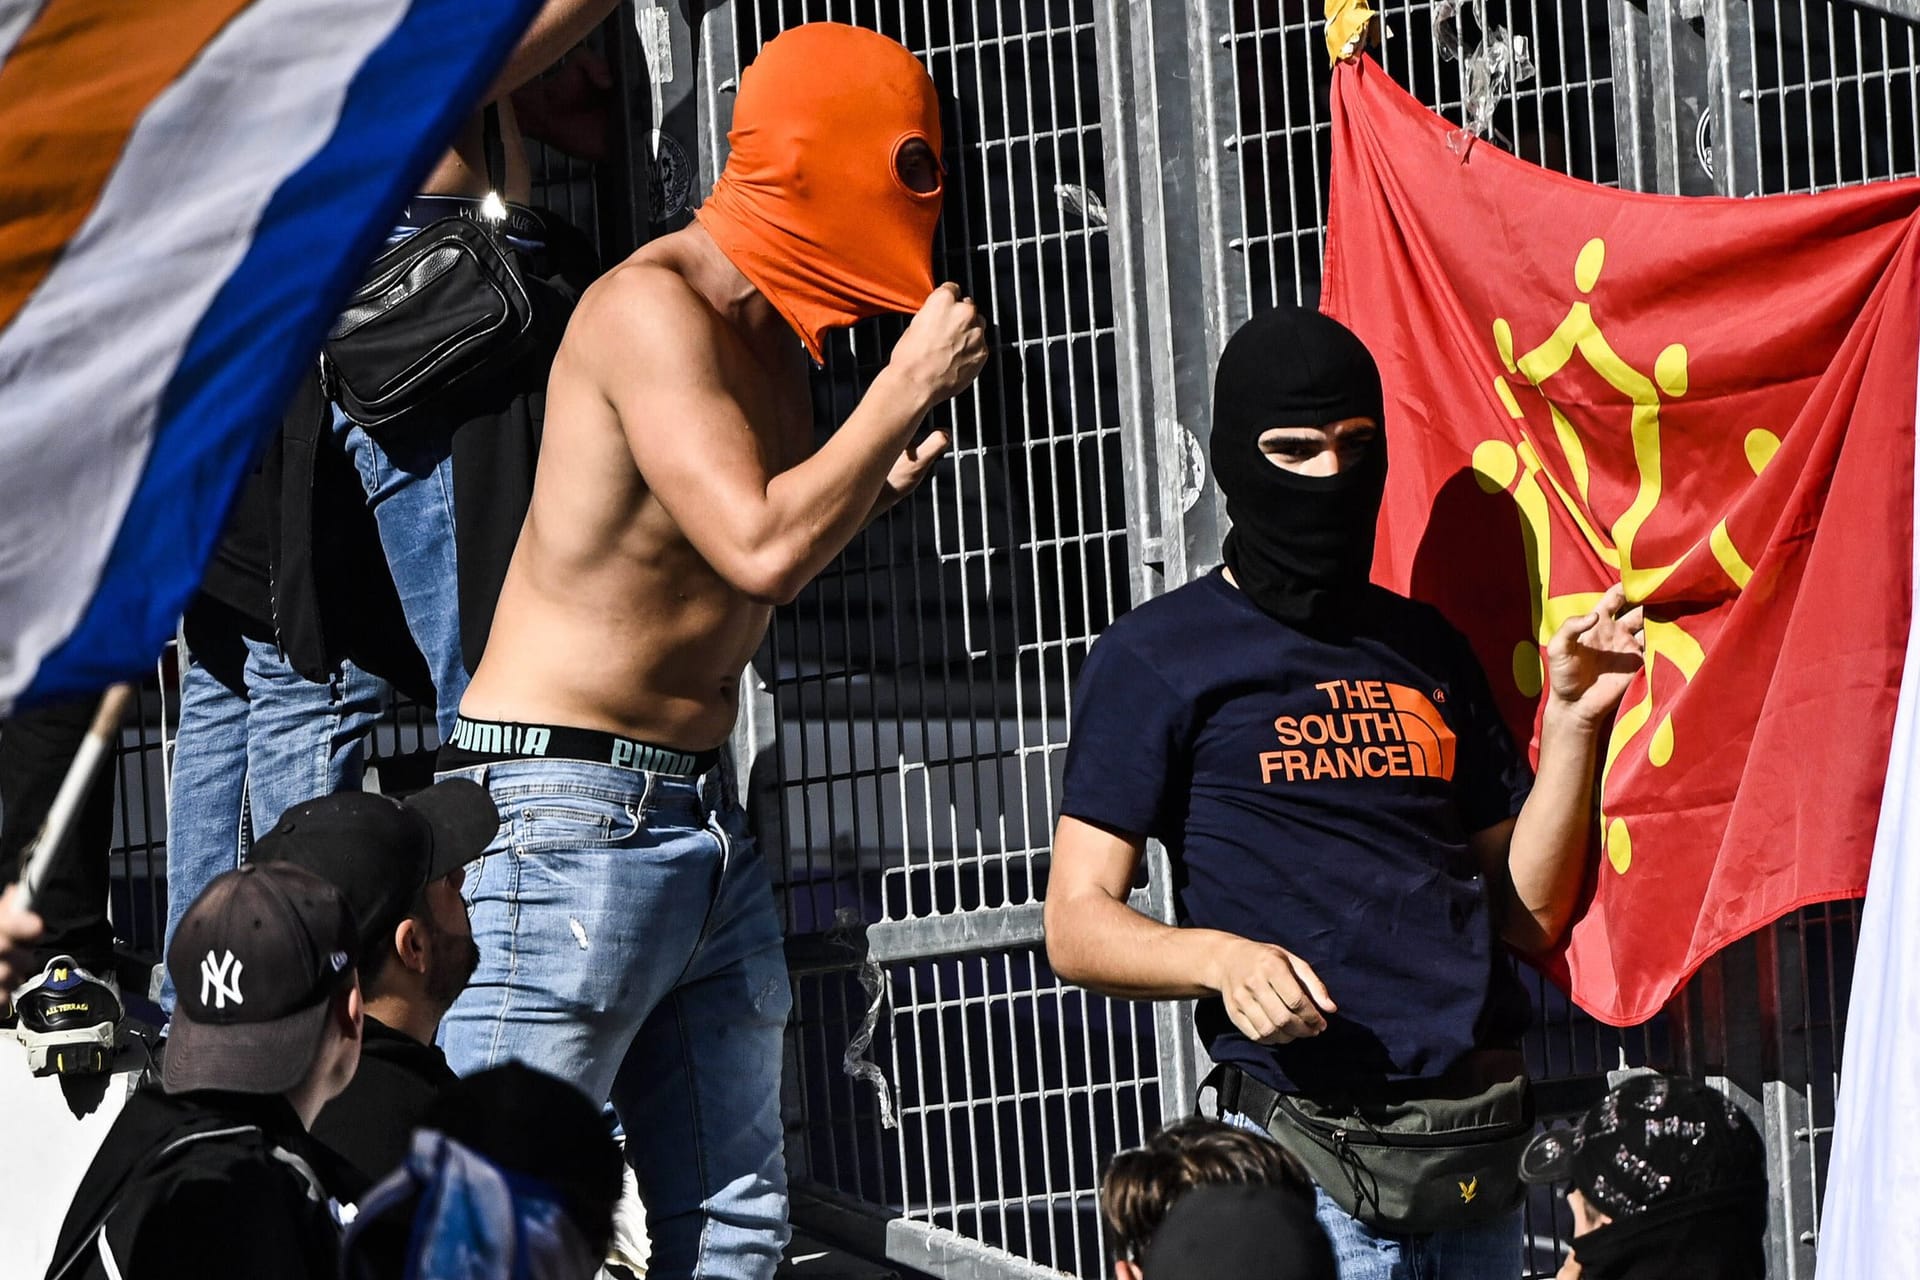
(1316, 793)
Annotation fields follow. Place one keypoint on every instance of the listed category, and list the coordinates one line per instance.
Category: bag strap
(1236, 1091)
(496, 149)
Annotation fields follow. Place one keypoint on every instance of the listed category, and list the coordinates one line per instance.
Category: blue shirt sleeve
(1129, 750)
(1492, 777)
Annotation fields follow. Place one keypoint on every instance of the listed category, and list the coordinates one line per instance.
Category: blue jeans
(629, 943)
(240, 762)
(408, 479)
(1485, 1251)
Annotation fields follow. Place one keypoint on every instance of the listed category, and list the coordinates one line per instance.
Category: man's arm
(1094, 939)
(569, 109)
(560, 25)
(655, 353)
(1536, 862)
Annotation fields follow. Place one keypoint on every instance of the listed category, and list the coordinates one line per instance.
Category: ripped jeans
(629, 943)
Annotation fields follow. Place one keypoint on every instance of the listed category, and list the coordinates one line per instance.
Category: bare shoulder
(641, 317)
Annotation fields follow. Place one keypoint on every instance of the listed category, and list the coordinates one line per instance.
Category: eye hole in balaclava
(917, 167)
(1301, 546)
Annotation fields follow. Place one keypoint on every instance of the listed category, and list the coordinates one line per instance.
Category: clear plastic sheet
(873, 980)
(1488, 72)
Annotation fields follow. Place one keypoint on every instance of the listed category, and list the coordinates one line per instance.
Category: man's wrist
(900, 389)
(1564, 717)
(1210, 943)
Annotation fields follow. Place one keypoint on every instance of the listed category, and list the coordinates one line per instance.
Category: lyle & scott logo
(1468, 1190)
(1371, 729)
(220, 980)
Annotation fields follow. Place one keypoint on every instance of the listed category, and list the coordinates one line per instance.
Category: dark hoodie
(206, 1184)
(371, 1123)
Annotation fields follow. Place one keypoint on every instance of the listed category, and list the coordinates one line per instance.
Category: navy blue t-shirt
(1316, 794)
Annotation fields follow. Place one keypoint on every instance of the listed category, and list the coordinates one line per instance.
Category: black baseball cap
(255, 962)
(382, 852)
(1247, 1231)
(1654, 1144)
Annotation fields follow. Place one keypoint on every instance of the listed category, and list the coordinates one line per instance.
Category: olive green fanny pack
(1411, 1157)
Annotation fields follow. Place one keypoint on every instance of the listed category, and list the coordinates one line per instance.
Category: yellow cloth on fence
(1346, 27)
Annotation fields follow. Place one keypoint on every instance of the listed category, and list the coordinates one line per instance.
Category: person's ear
(1124, 1270)
(350, 1010)
(410, 944)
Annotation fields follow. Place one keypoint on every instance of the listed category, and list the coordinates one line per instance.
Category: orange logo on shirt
(1371, 729)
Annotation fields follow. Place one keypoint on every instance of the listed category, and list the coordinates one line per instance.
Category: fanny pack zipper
(1341, 1135)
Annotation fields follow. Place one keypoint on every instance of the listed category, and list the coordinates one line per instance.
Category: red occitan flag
(1710, 400)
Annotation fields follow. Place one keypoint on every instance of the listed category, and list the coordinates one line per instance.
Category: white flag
(1868, 1230)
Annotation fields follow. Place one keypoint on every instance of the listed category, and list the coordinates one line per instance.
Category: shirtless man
(626, 923)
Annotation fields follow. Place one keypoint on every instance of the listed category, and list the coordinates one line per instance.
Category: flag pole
(73, 789)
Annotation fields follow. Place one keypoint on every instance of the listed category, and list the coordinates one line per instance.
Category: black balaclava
(1718, 1237)
(1301, 546)
(1679, 1170)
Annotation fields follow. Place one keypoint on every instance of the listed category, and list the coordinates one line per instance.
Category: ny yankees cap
(1655, 1145)
(382, 852)
(254, 963)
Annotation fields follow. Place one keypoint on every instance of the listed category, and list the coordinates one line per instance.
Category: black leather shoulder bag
(436, 311)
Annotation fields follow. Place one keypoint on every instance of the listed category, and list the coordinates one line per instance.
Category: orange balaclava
(811, 207)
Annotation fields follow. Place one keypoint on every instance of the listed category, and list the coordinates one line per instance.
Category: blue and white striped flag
(190, 190)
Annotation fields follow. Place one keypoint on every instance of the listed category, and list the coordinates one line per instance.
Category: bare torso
(610, 618)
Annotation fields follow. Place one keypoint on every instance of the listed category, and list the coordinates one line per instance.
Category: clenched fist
(942, 351)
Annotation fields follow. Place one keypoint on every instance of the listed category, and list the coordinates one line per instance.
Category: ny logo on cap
(223, 976)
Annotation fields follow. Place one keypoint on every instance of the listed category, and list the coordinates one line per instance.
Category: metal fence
(1130, 180)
